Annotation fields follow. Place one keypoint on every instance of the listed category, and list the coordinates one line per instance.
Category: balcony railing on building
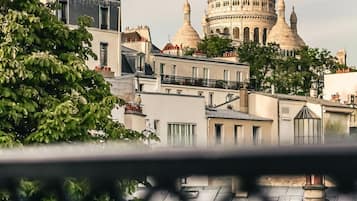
(202, 82)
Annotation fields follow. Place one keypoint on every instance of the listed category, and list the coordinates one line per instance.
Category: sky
(328, 24)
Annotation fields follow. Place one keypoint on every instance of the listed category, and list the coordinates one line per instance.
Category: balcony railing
(201, 82)
(104, 164)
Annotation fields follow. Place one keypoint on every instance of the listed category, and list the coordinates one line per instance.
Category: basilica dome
(186, 36)
(287, 37)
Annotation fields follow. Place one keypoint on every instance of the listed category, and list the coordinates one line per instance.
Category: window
(63, 11)
(104, 17)
(153, 66)
(265, 33)
(239, 76)
(218, 133)
(238, 131)
(226, 31)
(205, 76)
(226, 75)
(173, 73)
(218, 4)
(181, 134)
(210, 99)
(226, 3)
(236, 33)
(256, 35)
(246, 34)
(256, 135)
(156, 125)
(194, 72)
(162, 66)
(103, 54)
(235, 3)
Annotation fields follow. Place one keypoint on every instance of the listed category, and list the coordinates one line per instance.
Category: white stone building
(252, 20)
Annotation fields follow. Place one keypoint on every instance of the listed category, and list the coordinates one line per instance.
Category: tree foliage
(293, 74)
(215, 46)
(47, 93)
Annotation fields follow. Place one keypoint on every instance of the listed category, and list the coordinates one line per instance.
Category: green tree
(47, 93)
(215, 46)
(295, 74)
(261, 60)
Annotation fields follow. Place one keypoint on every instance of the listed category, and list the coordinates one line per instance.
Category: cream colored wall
(343, 83)
(176, 109)
(266, 107)
(114, 49)
(216, 70)
(134, 122)
(286, 123)
(245, 138)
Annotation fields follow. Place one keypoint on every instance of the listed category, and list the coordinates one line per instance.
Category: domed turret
(282, 34)
(293, 20)
(186, 36)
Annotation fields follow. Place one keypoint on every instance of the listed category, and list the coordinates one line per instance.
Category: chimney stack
(243, 100)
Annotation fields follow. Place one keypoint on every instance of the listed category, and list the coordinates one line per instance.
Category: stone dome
(186, 36)
(282, 34)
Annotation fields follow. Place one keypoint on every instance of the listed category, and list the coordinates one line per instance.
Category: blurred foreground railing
(104, 164)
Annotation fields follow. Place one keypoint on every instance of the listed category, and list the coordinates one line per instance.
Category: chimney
(243, 100)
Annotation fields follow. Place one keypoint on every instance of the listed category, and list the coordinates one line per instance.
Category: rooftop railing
(104, 164)
(202, 82)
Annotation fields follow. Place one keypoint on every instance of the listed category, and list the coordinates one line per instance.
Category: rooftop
(232, 114)
(199, 59)
(305, 99)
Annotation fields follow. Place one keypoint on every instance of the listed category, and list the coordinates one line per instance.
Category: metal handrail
(101, 160)
(202, 82)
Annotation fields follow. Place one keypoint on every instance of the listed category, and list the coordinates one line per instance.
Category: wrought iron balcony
(201, 82)
(104, 164)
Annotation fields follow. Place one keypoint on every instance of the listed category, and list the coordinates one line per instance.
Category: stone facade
(252, 20)
(240, 20)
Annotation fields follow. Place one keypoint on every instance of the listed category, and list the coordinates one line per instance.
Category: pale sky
(329, 24)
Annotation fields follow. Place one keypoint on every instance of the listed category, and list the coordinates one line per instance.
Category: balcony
(104, 164)
(201, 82)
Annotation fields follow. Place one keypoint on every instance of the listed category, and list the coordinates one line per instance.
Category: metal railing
(201, 82)
(104, 164)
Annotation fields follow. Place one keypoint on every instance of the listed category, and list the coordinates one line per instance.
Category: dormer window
(104, 17)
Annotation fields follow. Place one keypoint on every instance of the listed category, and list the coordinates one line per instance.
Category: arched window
(226, 31)
(236, 33)
(265, 33)
(246, 34)
(256, 35)
(218, 31)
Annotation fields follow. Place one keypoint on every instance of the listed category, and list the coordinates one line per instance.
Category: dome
(282, 34)
(186, 36)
